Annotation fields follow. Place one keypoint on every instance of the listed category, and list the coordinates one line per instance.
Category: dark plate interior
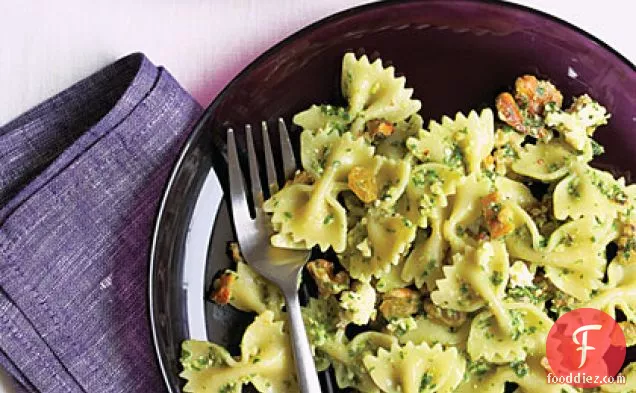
(457, 55)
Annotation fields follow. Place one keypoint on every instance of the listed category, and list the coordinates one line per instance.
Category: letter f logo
(583, 344)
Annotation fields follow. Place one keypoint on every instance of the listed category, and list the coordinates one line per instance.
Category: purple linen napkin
(80, 180)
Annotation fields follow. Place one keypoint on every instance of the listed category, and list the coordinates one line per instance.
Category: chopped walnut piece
(498, 217)
(526, 88)
(509, 112)
(627, 244)
(327, 282)
(379, 128)
(362, 182)
(535, 94)
(524, 111)
(450, 318)
(235, 252)
(399, 303)
(222, 292)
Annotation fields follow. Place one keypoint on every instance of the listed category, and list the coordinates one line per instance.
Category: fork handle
(305, 367)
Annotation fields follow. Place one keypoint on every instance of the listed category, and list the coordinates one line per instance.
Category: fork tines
(240, 204)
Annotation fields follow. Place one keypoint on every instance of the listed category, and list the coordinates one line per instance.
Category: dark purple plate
(457, 55)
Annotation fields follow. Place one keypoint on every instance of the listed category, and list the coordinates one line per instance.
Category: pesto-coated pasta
(455, 246)
(414, 369)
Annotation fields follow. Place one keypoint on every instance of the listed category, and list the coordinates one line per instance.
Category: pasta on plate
(456, 245)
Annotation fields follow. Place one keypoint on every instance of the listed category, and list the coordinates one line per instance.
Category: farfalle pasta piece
(374, 92)
(376, 243)
(428, 190)
(579, 284)
(391, 178)
(266, 361)
(316, 147)
(324, 118)
(307, 215)
(574, 256)
(620, 292)
(579, 121)
(393, 279)
(462, 143)
(466, 210)
(251, 292)
(525, 225)
(358, 305)
(476, 279)
(198, 355)
(311, 214)
(515, 191)
(427, 330)
(394, 146)
(208, 367)
(588, 192)
(286, 240)
(549, 161)
(416, 369)
(332, 156)
(630, 191)
(530, 377)
(469, 203)
(525, 336)
(347, 359)
(423, 266)
(329, 157)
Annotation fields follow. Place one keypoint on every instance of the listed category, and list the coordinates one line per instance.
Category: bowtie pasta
(453, 247)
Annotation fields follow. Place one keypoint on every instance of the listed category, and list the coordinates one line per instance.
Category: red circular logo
(585, 348)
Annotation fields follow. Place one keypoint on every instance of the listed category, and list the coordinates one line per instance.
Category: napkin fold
(81, 176)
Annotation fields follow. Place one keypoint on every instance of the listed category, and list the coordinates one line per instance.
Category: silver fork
(253, 237)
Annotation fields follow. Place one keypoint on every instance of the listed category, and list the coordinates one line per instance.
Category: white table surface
(46, 46)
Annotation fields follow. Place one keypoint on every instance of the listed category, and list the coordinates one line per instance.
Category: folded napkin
(80, 180)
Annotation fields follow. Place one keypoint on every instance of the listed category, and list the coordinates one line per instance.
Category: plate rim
(211, 108)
